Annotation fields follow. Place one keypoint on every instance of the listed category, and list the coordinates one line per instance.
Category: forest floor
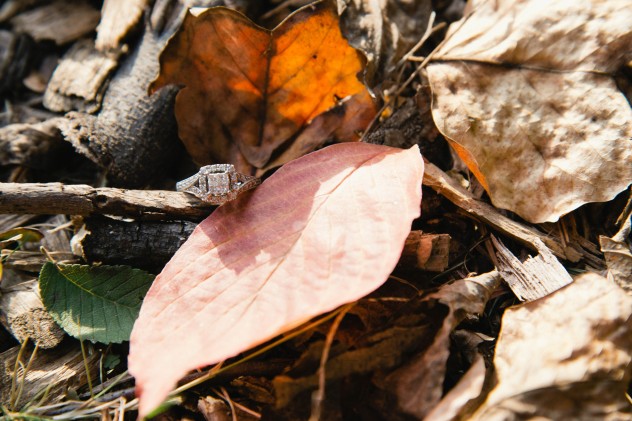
(488, 277)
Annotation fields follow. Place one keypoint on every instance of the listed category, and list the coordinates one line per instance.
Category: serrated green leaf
(96, 303)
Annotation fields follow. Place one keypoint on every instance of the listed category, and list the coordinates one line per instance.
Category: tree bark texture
(145, 245)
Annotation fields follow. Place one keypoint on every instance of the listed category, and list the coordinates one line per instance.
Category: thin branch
(439, 181)
(79, 199)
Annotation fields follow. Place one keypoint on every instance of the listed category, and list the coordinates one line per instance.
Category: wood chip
(118, 18)
(22, 312)
(148, 244)
(79, 82)
(534, 278)
(135, 135)
(31, 145)
(15, 58)
(54, 371)
(213, 409)
(32, 261)
(60, 21)
(21, 308)
(10, 8)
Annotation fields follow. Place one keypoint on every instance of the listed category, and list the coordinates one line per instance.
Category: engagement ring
(217, 184)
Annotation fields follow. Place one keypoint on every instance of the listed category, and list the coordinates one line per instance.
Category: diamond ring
(217, 184)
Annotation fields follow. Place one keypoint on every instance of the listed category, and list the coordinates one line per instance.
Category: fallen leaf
(324, 230)
(95, 303)
(538, 119)
(248, 91)
(618, 255)
(383, 30)
(22, 235)
(383, 350)
(423, 330)
(468, 388)
(565, 356)
(418, 385)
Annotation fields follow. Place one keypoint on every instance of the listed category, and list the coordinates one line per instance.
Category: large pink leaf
(324, 230)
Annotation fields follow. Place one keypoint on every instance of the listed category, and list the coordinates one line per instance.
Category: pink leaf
(324, 230)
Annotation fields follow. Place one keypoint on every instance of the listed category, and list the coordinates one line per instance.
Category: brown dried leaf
(248, 92)
(551, 131)
(618, 255)
(565, 356)
(423, 329)
(455, 401)
(418, 384)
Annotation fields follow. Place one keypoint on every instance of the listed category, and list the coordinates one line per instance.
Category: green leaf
(97, 303)
(24, 235)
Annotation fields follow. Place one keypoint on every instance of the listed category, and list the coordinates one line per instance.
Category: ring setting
(217, 184)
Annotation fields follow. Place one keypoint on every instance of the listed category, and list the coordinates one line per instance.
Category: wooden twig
(22, 312)
(439, 181)
(57, 198)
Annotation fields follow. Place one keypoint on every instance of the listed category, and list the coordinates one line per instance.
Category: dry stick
(80, 199)
(233, 405)
(439, 181)
(319, 394)
(227, 398)
(57, 198)
(430, 29)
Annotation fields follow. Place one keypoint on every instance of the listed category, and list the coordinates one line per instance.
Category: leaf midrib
(88, 292)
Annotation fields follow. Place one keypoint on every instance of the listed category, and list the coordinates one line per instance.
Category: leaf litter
(583, 363)
(394, 353)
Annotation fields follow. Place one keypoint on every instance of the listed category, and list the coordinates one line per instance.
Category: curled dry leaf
(565, 356)
(551, 131)
(248, 92)
(324, 230)
(618, 255)
(418, 384)
(468, 388)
